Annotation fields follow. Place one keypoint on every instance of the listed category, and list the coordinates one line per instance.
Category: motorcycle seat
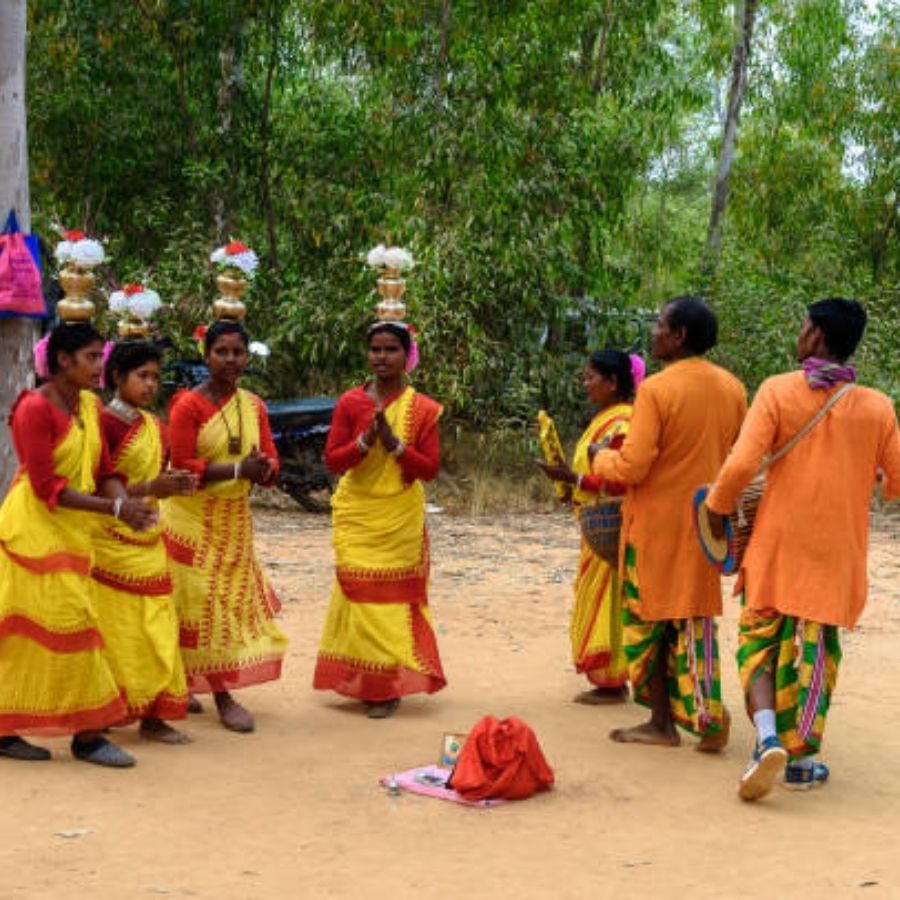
(302, 412)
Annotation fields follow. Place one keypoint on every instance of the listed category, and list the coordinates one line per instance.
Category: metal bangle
(237, 470)
(362, 446)
(117, 507)
(399, 449)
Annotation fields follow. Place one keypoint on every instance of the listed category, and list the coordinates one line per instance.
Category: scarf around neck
(822, 374)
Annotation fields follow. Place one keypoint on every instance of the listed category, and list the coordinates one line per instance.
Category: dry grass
(491, 474)
(495, 474)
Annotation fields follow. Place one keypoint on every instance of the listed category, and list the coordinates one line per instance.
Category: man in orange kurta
(804, 571)
(684, 422)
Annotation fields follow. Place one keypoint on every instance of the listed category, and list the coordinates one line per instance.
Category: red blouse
(115, 430)
(188, 413)
(353, 415)
(38, 427)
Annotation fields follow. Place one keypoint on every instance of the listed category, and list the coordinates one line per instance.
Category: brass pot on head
(77, 283)
(229, 305)
(392, 287)
(133, 328)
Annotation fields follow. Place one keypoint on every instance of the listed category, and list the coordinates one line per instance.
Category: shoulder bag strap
(805, 430)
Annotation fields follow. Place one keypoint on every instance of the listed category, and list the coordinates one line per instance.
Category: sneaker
(102, 752)
(767, 762)
(805, 778)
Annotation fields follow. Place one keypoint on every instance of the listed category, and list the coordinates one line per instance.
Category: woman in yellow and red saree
(133, 587)
(378, 643)
(55, 677)
(220, 432)
(595, 629)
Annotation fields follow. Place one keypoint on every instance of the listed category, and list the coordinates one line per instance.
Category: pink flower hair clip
(412, 358)
(108, 348)
(638, 368)
(41, 356)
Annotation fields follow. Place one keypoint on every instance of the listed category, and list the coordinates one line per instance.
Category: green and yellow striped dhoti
(805, 656)
(690, 649)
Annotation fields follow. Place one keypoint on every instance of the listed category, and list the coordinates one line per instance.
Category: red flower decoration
(131, 289)
(199, 333)
(236, 247)
(413, 330)
(74, 235)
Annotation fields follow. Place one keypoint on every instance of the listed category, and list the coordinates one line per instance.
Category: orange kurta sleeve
(631, 463)
(754, 442)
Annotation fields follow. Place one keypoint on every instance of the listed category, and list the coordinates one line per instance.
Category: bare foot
(159, 731)
(715, 743)
(234, 716)
(599, 696)
(647, 733)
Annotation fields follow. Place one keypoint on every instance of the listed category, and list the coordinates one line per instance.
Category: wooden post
(17, 336)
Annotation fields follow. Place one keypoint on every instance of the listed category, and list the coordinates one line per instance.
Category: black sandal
(102, 752)
(18, 748)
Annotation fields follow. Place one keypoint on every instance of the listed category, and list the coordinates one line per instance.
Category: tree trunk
(603, 48)
(17, 336)
(231, 87)
(744, 15)
(273, 29)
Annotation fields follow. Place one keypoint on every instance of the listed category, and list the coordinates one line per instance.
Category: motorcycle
(299, 429)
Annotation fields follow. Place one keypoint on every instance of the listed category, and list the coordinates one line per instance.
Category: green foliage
(548, 163)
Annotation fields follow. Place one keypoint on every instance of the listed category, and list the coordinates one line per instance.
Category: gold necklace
(235, 441)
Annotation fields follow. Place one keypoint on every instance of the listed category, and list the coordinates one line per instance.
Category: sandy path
(295, 810)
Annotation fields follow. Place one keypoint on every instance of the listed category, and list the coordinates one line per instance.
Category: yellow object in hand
(552, 448)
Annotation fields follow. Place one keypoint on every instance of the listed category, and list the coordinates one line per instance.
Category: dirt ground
(295, 810)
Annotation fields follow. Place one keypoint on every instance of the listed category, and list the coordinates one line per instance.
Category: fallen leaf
(74, 832)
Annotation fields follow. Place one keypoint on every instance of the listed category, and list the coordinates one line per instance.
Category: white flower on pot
(398, 258)
(144, 304)
(87, 253)
(118, 302)
(235, 255)
(375, 257)
(77, 248)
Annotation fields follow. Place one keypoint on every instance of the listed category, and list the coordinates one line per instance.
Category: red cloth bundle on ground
(501, 760)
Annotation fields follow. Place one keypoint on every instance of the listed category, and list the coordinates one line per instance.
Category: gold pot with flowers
(134, 305)
(391, 263)
(78, 255)
(236, 265)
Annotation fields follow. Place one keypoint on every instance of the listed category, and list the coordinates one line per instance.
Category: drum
(727, 553)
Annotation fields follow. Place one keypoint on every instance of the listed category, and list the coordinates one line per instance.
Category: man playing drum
(804, 571)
